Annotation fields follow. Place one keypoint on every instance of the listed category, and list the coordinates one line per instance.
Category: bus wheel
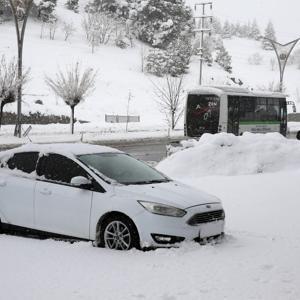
(298, 135)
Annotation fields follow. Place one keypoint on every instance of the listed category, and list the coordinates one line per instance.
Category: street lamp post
(283, 52)
(20, 10)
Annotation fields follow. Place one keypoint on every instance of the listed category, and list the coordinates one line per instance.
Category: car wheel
(119, 233)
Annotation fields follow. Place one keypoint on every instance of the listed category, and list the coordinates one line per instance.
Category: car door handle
(45, 192)
(2, 183)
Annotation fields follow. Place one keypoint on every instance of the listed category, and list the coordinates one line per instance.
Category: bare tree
(170, 94)
(68, 29)
(9, 82)
(20, 10)
(255, 59)
(273, 63)
(98, 29)
(73, 86)
(143, 57)
(271, 87)
(52, 28)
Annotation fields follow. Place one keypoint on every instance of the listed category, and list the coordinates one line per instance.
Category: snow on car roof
(66, 149)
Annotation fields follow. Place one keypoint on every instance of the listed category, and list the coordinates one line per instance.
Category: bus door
(283, 116)
(233, 114)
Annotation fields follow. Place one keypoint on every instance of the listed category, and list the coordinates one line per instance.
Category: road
(145, 149)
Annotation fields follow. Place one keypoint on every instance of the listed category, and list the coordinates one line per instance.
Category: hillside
(119, 73)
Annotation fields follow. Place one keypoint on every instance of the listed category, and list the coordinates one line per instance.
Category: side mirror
(80, 181)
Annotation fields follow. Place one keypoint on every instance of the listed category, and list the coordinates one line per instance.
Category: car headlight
(162, 209)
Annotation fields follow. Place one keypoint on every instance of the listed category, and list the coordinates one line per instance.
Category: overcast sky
(285, 15)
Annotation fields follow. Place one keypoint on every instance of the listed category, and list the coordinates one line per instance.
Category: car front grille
(207, 217)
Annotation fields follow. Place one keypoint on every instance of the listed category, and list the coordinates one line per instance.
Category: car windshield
(122, 168)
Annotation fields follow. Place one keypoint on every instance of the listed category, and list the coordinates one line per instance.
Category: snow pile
(226, 154)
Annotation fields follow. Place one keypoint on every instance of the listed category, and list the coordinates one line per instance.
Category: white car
(101, 194)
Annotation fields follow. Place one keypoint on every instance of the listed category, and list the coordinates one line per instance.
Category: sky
(283, 14)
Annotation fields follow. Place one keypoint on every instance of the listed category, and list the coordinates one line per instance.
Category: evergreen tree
(223, 59)
(245, 30)
(216, 26)
(173, 61)
(5, 10)
(227, 31)
(46, 10)
(116, 8)
(156, 62)
(270, 34)
(72, 5)
(238, 29)
(179, 53)
(255, 32)
(161, 22)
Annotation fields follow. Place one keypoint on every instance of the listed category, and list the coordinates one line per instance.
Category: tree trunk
(72, 119)
(1, 113)
(173, 120)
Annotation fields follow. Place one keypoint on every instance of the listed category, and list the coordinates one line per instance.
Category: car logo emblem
(208, 206)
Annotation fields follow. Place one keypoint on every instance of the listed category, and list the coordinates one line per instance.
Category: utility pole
(127, 113)
(202, 30)
(20, 11)
(283, 52)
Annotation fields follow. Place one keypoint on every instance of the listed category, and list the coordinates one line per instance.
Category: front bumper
(150, 225)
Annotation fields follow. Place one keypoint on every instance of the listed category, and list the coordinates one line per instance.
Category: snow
(63, 148)
(258, 259)
(227, 154)
(257, 178)
(119, 73)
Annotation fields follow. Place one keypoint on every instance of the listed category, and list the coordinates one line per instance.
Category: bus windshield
(202, 115)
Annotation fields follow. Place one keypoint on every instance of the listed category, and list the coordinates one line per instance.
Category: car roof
(66, 149)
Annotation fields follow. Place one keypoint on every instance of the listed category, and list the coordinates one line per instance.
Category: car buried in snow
(104, 195)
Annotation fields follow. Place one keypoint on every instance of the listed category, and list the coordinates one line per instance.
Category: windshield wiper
(148, 181)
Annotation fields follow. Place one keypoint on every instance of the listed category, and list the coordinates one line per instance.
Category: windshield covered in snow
(122, 168)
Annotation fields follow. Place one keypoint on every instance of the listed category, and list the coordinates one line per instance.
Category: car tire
(298, 135)
(118, 233)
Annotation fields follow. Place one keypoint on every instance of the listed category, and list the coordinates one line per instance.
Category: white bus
(234, 110)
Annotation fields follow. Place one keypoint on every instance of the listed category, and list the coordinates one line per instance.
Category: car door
(17, 185)
(60, 207)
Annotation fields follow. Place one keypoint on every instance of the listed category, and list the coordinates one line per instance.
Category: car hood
(170, 193)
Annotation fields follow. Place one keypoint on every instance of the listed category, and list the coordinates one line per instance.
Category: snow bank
(226, 154)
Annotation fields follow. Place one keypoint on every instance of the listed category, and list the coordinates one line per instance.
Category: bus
(234, 110)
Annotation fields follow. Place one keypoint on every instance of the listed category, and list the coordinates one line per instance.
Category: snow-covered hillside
(119, 73)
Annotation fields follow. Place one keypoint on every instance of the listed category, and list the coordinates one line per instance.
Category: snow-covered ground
(258, 259)
(119, 73)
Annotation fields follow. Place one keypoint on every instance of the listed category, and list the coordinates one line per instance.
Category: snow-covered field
(258, 259)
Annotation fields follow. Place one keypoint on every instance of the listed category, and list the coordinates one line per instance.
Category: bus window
(261, 113)
(202, 114)
(259, 109)
(273, 109)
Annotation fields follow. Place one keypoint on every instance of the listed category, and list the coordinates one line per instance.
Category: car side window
(58, 168)
(25, 162)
